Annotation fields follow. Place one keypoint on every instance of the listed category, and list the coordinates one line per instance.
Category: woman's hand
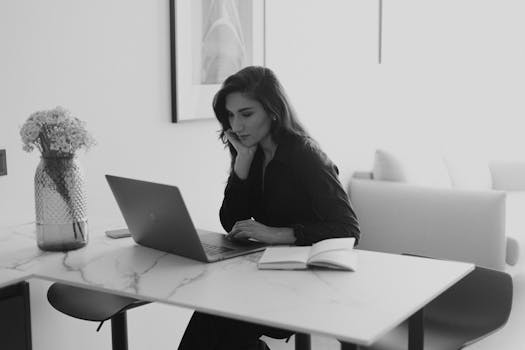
(241, 149)
(247, 229)
(244, 157)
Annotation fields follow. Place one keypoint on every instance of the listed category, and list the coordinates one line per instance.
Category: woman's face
(248, 119)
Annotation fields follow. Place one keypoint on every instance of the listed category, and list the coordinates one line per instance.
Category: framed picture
(210, 40)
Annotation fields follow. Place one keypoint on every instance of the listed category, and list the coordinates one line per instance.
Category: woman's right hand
(237, 144)
(244, 157)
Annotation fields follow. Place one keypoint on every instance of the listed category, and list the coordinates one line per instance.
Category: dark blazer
(301, 190)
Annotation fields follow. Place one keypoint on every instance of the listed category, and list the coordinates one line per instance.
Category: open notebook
(333, 253)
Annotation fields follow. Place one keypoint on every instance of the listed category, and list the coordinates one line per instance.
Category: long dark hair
(260, 84)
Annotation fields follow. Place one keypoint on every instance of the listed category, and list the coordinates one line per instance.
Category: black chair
(95, 306)
(469, 311)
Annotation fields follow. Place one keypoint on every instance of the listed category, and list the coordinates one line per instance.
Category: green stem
(55, 169)
(81, 231)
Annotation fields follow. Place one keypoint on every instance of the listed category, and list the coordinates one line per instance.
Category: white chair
(442, 223)
(439, 206)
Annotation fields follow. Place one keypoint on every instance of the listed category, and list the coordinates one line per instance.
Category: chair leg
(119, 331)
(302, 341)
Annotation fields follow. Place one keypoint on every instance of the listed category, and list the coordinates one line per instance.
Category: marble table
(355, 307)
(8, 277)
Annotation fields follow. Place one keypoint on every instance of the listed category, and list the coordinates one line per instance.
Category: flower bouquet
(60, 202)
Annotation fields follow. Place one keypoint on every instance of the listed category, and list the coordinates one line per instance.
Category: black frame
(380, 33)
(173, 60)
(3, 162)
(175, 118)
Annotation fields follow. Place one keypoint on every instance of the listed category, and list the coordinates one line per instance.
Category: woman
(282, 189)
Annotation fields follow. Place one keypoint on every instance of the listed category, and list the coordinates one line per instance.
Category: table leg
(349, 346)
(302, 341)
(119, 331)
(415, 331)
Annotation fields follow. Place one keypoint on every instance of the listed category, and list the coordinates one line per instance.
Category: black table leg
(349, 346)
(302, 341)
(119, 331)
(415, 331)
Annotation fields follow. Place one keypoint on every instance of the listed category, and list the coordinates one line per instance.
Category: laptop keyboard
(214, 249)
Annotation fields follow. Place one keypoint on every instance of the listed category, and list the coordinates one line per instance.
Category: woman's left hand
(247, 229)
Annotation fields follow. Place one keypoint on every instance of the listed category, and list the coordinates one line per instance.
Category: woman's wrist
(284, 235)
(242, 165)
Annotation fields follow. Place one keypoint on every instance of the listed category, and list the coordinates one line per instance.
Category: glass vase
(60, 204)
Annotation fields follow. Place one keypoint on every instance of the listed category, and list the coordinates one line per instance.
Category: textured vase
(60, 204)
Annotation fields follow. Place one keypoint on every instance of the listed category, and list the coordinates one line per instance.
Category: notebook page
(327, 245)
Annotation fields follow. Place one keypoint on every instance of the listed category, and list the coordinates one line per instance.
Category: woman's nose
(236, 124)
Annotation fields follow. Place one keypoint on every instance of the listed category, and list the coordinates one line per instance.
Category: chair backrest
(450, 224)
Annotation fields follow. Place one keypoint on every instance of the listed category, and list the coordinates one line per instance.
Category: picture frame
(210, 40)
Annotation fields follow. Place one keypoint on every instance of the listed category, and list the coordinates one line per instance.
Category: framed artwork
(380, 32)
(210, 40)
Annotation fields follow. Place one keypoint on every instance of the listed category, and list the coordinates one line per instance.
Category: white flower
(55, 133)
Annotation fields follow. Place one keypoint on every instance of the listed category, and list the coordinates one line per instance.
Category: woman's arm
(237, 203)
(333, 214)
(244, 157)
(242, 165)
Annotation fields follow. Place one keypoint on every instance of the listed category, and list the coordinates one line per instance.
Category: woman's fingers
(250, 229)
(232, 138)
(238, 145)
(234, 232)
(237, 234)
(241, 229)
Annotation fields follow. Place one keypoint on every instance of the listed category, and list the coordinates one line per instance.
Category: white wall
(452, 77)
(108, 62)
(451, 72)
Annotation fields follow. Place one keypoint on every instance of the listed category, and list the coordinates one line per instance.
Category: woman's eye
(247, 114)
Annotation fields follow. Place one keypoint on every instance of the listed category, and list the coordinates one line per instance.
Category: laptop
(157, 218)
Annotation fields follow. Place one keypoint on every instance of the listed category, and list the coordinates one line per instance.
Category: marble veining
(134, 277)
(319, 301)
(186, 281)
